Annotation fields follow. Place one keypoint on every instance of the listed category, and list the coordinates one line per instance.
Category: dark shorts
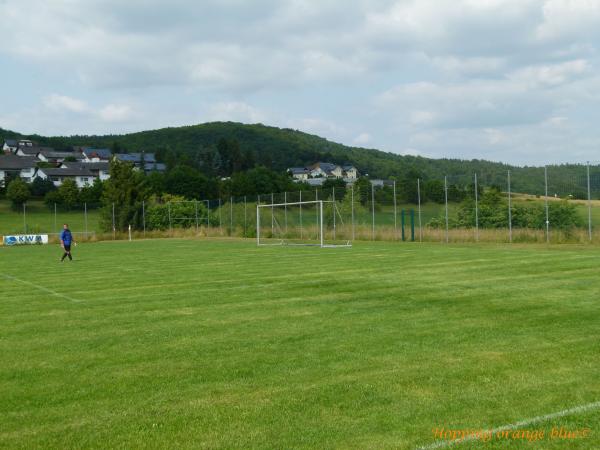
(67, 248)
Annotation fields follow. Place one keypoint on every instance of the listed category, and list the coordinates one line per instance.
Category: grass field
(219, 344)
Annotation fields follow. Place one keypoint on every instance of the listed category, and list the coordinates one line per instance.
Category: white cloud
(235, 112)
(115, 113)
(363, 139)
(57, 102)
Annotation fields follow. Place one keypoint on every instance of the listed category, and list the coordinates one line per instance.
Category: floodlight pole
(546, 204)
(589, 192)
(476, 210)
(419, 204)
(509, 210)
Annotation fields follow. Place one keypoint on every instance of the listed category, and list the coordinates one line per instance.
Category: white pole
(245, 216)
(419, 204)
(476, 210)
(285, 210)
(546, 204)
(509, 210)
(272, 216)
(129, 228)
(446, 199)
(258, 222)
(589, 202)
(230, 216)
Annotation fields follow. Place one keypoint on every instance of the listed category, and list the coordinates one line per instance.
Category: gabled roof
(91, 166)
(325, 167)
(154, 167)
(102, 153)
(298, 170)
(10, 142)
(50, 153)
(12, 162)
(349, 167)
(33, 151)
(136, 157)
(66, 172)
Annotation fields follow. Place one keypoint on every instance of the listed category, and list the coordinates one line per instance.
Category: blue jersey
(66, 237)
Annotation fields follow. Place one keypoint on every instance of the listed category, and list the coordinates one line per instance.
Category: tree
(17, 192)
(91, 194)
(40, 186)
(68, 193)
(125, 190)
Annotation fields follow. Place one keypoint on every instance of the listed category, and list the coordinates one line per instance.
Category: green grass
(40, 219)
(219, 344)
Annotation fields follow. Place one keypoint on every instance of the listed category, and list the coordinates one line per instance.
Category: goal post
(303, 223)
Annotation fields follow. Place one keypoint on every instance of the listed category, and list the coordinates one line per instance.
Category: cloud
(115, 113)
(362, 139)
(57, 102)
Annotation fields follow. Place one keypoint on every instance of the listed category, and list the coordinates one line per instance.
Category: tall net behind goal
(318, 223)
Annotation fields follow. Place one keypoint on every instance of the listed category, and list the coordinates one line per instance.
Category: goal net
(318, 223)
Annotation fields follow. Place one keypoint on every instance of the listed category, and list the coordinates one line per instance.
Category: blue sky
(505, 80)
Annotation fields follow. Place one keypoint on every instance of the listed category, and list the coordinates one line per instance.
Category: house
(96, 154)
(51, 156)
(327, 170)
(82, 177)
(10, 146)
(299, 173)
(100, 169)
(154, 167)
(23, 167)
(349, 172)
(30, 150)
(25, 143)
(150, 164)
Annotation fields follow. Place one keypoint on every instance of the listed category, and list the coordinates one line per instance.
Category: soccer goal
(316, 223)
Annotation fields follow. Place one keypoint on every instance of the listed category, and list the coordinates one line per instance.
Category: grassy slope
(219, 344)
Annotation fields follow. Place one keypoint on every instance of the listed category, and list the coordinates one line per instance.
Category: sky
(515, 81)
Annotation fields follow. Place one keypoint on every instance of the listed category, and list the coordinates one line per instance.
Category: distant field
(219, 344)
(40, 219)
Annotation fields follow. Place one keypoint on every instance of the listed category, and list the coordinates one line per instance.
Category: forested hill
(278, 149)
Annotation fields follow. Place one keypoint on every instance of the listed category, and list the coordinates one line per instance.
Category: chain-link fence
(554, 204)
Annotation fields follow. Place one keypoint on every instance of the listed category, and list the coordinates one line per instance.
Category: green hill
(278, 149)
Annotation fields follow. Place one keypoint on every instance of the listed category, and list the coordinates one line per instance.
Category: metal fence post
(301, 228)
(285, 210)
(419, 205)
(55, 220)
(85, 218)
(372, 211)
(245, 217)
(220, 218)
(272, 215)
(333, 209)
(546, 204)
(396, 215)
(446, 200)
(230, 216)
(113, 222)
(509, 210)
(196, 213)
(144, 216)
(476, 210)
(352, 208)
(589, 192)
(24, 218)
(170, 221)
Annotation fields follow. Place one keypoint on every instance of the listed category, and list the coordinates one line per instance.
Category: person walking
(66, 239)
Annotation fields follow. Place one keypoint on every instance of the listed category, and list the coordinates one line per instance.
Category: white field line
(513, 426)
(41, 288)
